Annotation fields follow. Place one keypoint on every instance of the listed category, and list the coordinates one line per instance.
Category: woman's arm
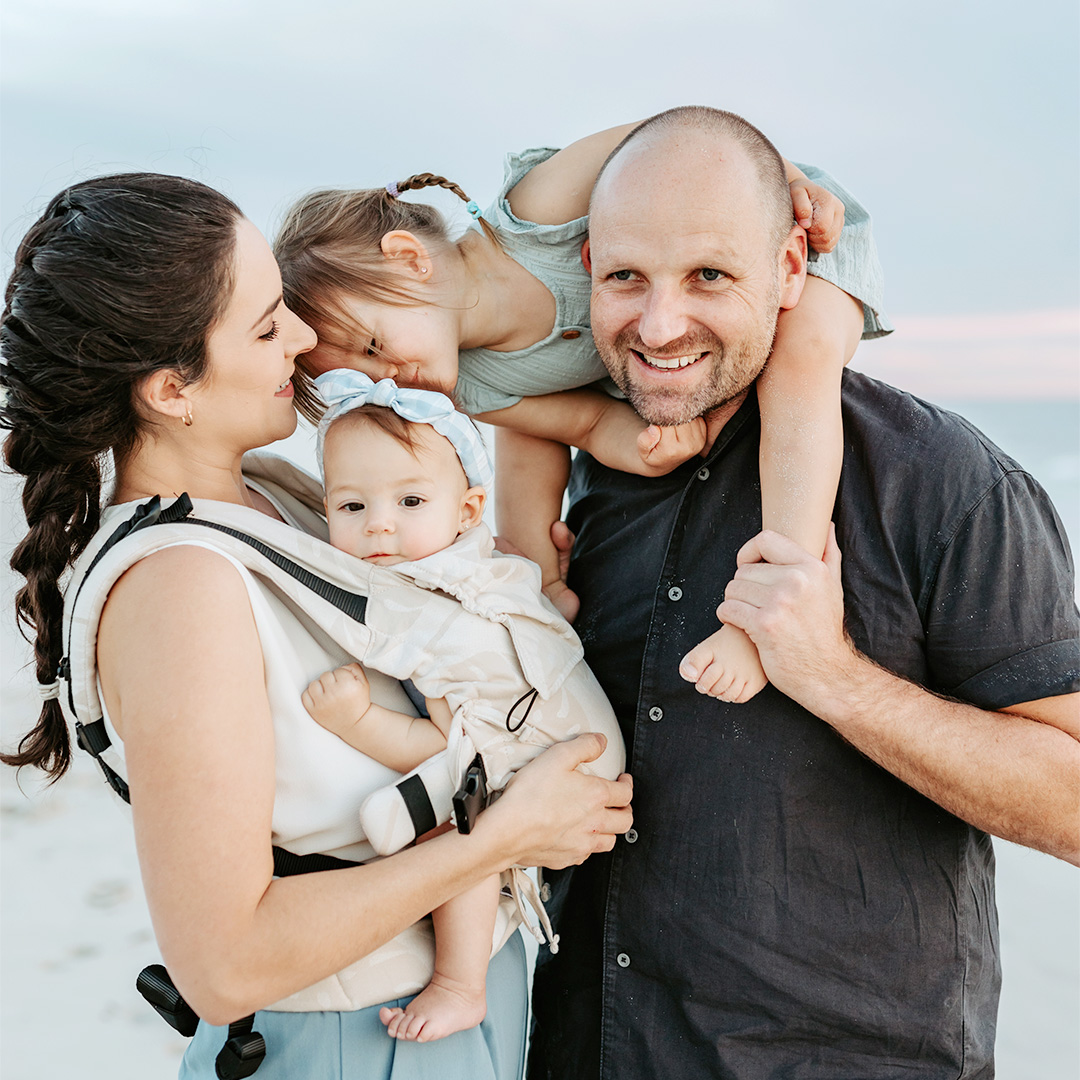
(182, 673)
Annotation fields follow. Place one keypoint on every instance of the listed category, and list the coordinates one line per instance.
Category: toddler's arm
(532, 461)
(341, 702)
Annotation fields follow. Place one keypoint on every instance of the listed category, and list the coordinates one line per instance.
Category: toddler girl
(500, 318)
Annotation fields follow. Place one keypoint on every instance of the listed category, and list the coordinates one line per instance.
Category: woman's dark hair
(121, 276)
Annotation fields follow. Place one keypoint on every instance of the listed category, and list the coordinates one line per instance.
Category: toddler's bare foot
(725, 666)
(443, 1007)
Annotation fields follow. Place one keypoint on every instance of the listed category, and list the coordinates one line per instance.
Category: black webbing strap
(419, 702)
(288, 864)
(94, 739)
(418, 804)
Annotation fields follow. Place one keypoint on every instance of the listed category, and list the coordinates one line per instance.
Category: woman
(144, 320)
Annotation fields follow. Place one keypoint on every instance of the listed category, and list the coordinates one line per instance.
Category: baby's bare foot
(725, 666)
(443, 1007)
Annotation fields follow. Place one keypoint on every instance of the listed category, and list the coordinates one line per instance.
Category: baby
(404, 479)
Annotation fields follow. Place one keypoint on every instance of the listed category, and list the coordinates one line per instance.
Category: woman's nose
(301, 338)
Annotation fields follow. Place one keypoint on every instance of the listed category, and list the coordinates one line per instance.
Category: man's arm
(1013, 773)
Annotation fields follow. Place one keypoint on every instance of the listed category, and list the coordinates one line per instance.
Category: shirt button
(569, 335)
(631, 836)
(703, 473)
(656, 713)
(674, 593)
(622, 960)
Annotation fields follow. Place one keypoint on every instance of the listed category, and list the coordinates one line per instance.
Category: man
(807, 891)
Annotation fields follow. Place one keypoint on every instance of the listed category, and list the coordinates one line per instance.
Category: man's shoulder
(900, 436)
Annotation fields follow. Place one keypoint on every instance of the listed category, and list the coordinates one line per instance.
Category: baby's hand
(664, 448)
(338, 699)
(819, 212)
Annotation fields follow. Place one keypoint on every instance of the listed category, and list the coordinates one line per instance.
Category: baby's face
(386, 505)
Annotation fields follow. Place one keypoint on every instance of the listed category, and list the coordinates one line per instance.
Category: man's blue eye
(709, 274)
(621, 275)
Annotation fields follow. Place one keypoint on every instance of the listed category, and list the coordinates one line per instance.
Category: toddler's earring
(423, 269)
(187, 416)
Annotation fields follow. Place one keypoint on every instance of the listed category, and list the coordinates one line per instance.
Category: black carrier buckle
(244, 1049)
(472, 796)
(243, 1053)
(155, 985)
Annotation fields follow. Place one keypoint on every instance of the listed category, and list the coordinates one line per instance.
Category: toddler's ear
(472, 507)
(408, 252)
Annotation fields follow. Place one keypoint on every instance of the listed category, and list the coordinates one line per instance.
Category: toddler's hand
(338, 699)
(664, 448)
(819, 212)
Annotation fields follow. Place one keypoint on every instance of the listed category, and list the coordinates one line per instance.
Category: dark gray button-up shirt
(787, 908)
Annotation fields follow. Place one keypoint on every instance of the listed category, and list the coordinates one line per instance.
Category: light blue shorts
(355, 1046)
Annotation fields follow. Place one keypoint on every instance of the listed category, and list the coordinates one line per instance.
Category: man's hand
(819, 212)
(665, 448)
(791, 606)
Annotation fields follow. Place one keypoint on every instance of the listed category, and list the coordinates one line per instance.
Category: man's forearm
(1015, 776)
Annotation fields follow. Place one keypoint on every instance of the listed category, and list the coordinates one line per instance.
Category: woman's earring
(187, 416)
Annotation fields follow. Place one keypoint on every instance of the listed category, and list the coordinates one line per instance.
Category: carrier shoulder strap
(92, 737)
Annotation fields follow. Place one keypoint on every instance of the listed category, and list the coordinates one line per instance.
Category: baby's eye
(412, 501)
(371, 348)
(708, 273)
(622, 275)
(352, 507)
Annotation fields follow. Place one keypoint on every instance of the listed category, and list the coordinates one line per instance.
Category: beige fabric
(320, 780)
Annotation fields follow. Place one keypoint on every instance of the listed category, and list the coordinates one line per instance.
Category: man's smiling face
(686, 281)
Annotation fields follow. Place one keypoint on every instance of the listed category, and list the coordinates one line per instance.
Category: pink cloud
(1027, 354)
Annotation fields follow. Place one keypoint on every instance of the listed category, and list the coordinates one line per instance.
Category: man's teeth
(671, 362)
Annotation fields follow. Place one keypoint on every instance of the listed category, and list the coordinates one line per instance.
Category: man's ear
(586, 257)
(163, 393)
(792, 267)
(472, 507)
(408, 253)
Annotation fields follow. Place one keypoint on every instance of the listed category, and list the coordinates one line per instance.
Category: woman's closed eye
(271, 333)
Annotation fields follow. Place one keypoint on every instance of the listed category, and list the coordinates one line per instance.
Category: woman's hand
(553, 815)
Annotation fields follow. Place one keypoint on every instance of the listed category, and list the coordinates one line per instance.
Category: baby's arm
(341, 702)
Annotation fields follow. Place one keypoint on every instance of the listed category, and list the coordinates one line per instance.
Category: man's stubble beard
(732, 369)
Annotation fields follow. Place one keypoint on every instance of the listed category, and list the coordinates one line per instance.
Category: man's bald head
(732, 134)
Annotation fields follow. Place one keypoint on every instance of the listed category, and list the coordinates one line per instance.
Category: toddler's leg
(454, 999)
(802, 443)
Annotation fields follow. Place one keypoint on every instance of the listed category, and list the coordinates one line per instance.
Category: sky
(956, 124)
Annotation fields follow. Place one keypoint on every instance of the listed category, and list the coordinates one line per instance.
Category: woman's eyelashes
(271, 333)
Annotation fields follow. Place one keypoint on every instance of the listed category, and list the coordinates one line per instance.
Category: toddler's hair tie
(346, 389)
(392, 190)
(473, 209)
